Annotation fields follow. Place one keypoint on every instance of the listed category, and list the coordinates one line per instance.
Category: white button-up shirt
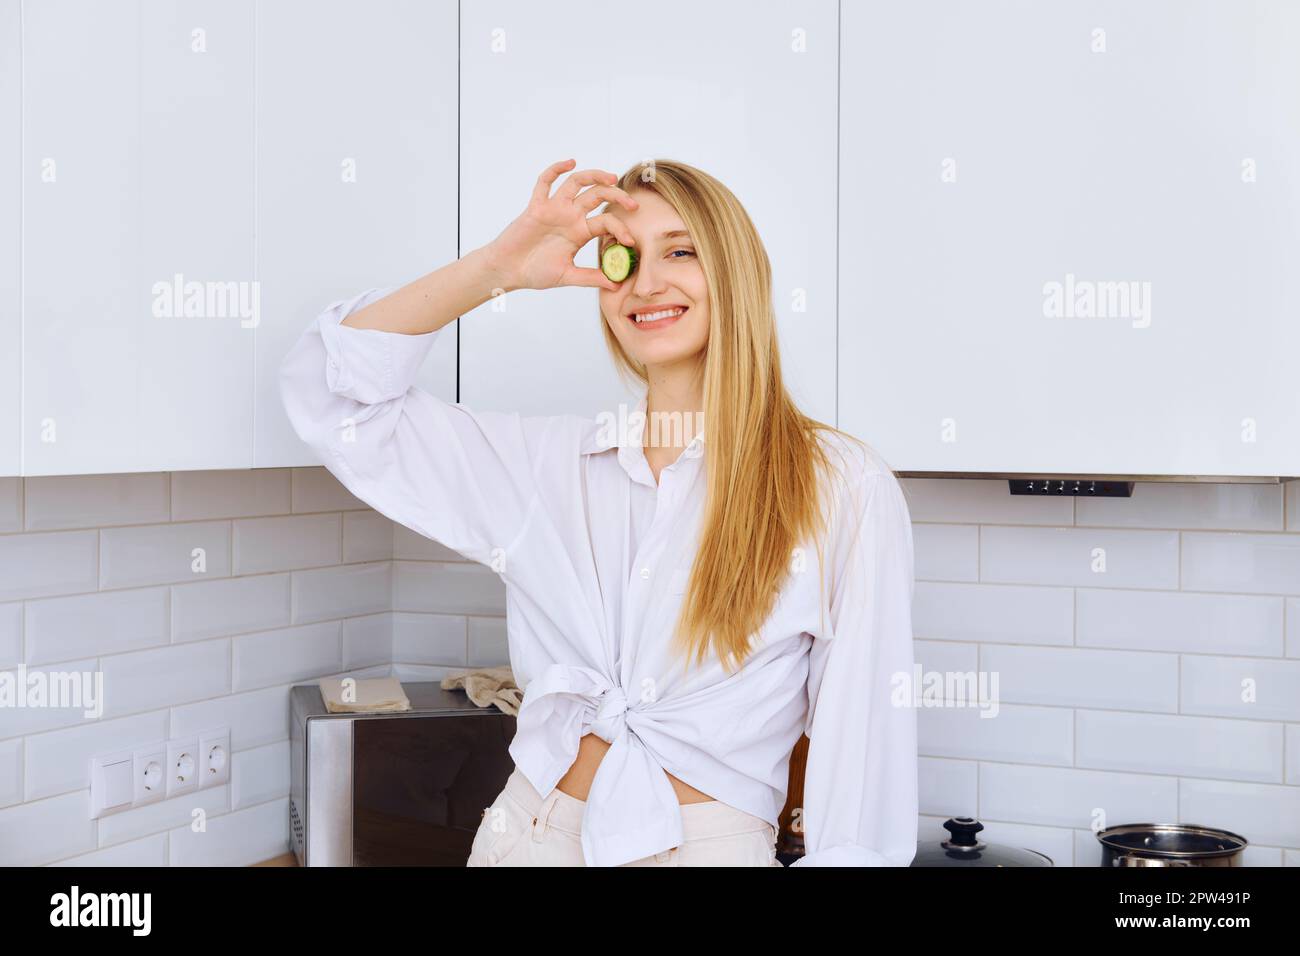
(595, 557)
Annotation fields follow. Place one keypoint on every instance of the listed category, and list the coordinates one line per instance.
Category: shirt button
(645, 573)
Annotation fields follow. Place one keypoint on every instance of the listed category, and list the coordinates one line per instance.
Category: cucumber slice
(617, 261)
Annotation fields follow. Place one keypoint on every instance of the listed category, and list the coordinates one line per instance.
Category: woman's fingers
(594, 196)
(589, 278)
(542, 189)
(603, 224)
(583, 177)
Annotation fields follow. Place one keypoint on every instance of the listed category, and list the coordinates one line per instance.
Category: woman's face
(668, 278)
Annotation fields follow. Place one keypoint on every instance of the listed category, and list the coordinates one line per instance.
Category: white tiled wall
(1161, 686)
(1122, 692)
(297, 582)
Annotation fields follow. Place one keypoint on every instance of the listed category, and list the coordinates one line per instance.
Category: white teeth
(652, 316)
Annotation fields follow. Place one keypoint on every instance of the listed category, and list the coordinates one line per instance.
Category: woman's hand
(536, 251)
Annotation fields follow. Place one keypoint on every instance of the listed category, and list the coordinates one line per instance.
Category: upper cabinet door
(1068, 236)
(137, 182)
(356, 173)
(11, 314)
(743, 90)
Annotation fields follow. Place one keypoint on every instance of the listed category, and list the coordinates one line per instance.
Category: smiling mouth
(657, 318)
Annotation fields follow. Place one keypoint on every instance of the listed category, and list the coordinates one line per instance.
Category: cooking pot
(1181, 844)
(963, 848)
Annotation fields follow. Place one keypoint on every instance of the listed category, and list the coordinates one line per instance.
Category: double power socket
(132, 778)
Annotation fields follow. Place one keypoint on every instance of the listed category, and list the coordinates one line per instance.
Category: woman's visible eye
(689, 252)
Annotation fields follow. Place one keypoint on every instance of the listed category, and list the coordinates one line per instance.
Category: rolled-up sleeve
(460, 477)
(860, 784)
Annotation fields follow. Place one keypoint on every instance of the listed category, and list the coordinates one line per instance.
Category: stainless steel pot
(1181, 844)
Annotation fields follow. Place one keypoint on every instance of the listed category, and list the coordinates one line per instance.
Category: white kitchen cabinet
(744, 90)
(356, 173)
(137, 145)
(11, 316)
(989, 150)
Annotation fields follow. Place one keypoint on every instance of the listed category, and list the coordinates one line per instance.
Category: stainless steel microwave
(396, 789)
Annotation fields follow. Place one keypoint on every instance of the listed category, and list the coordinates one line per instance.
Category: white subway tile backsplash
(178, 674)
(1081, 677)
(1293, 627)
(1293, 505)
(39, 832)
(48, 562)
(1250, 688)
(234, 839)
(162, 816)
(1066, 797)
(59, 760)
(287, 655)
(1179, 745)
(1002, 613)
(198, 495)
(948, 788)
(65, 628)
(340, 591)
(946, 552)
(1245, 563)
(981, 501)
(447, 588)
(52, 695)
(488, 645)
(287, 543)
(1188, 504)
(1174, 621)
(11, 634)
(11, 504)
(367, 640)
(255, 718)
(1262, 813)
(1014, 732)
(1292, 756)
(367, 536)
(315, 489)
(230, 606)
(11, 771)
(1079, 557)
(94, 501)
(947, 657)
(430, 639)
(149, 851)
(412, 546)
(259, 775)
(163, 554)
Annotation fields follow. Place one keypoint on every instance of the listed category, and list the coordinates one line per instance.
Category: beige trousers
(522, 828)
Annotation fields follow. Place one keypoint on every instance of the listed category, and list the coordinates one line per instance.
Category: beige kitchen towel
(371, 695)
(487, 686)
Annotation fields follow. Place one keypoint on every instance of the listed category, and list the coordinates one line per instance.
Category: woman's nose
(647, 279)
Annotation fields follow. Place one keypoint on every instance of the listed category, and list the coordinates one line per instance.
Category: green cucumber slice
(617, 261)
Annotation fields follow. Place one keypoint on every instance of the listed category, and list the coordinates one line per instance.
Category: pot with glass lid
(964, 848)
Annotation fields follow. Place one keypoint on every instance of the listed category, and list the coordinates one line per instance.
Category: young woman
(682, 604)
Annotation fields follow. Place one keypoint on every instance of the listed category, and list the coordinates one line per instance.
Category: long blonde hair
(762, 456)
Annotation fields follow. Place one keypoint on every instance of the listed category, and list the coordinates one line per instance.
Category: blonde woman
(684, 601)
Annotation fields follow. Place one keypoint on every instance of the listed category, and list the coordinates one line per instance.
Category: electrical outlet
(214, 758)
(150, 774)
(182, 766)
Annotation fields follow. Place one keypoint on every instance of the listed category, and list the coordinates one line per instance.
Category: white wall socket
(182, 765)
(214, 758)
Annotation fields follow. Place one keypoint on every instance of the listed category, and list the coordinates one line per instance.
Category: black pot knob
(963, 830)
